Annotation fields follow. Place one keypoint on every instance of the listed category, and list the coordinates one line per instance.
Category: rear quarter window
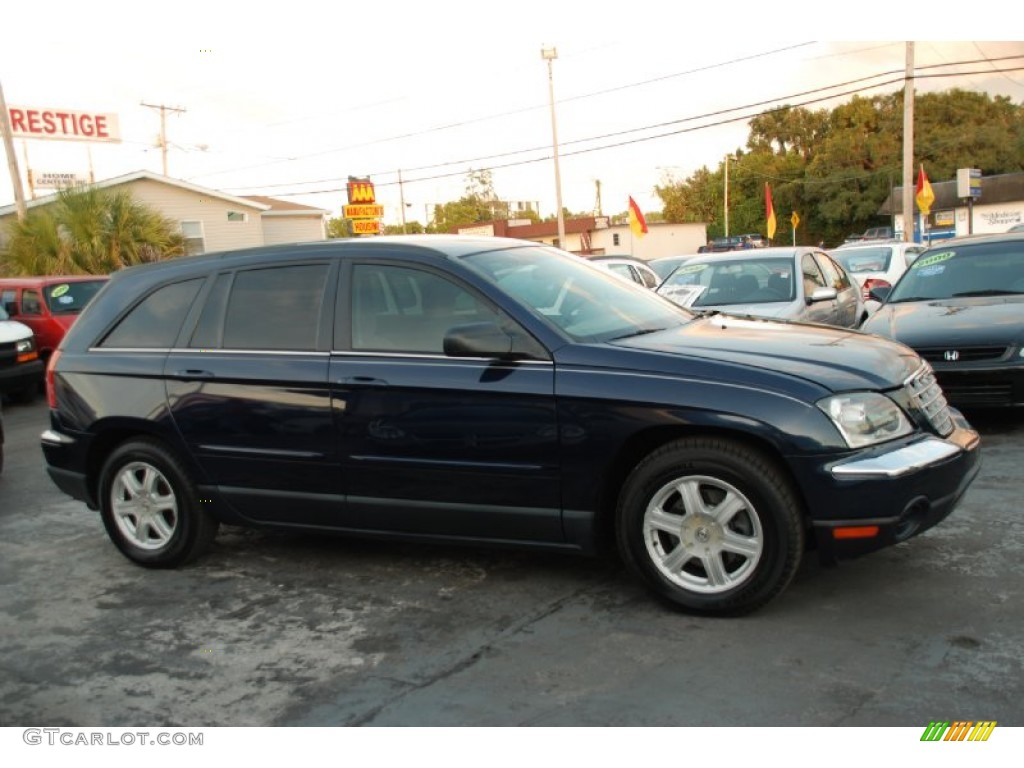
(155, 321)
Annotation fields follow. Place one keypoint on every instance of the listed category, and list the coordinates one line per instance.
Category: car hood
(836, 358)
(988, 321)
(12, 330)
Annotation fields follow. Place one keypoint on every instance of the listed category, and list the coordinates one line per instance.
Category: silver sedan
(802, 284)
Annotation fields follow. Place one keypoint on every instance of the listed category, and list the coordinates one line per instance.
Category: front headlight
(866, 418)
(26, 349)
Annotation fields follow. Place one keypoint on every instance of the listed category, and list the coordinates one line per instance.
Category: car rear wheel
(149, 507)
(711, 525)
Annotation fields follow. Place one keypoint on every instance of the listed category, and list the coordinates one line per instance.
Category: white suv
(876, 264)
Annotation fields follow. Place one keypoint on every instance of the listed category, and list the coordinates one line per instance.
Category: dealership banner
(63, 124)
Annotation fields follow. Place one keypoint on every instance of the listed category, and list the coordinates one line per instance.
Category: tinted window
(207, 333)
(409, 310)
(155, 321)
(275, 308)
(69, 298)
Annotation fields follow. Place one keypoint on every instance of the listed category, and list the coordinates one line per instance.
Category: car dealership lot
(272, 629)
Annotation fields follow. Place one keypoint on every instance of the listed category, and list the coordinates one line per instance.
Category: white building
(211, 220)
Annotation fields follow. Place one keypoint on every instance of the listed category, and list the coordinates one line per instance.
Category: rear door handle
(191, 374)
(362, 381)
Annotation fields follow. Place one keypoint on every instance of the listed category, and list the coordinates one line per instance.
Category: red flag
(769, 210)
(637, 222)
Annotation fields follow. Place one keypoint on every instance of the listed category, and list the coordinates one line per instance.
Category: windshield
(864, 259)
(735, 281)
(71, 297)
(982, 269)
(587, 303)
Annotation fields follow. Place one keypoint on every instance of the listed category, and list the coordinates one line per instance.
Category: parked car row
(802, 284)
(35, 313)
(497, 391)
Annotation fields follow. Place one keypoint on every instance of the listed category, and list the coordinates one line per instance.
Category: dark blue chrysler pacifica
(494, 391)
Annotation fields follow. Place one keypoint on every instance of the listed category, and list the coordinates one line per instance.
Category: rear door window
(275, 308)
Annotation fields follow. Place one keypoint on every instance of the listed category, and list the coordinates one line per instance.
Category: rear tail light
(51, 391)
(874, 282)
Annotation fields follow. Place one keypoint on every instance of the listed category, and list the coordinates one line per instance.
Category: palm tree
(88, 231)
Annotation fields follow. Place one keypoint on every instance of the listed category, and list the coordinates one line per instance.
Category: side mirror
(822, 294)
(478, 340)
(492, 342)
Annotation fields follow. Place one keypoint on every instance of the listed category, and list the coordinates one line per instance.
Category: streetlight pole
(550, 54)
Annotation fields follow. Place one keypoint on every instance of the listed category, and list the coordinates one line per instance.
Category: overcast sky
(289, 100)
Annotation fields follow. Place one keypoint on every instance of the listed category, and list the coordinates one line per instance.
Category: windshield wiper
(642, 332)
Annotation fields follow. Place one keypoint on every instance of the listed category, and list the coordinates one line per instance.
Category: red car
(48, 305)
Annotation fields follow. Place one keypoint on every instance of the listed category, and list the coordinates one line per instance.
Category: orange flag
(769, 210)
(637, 222)
(925, 196)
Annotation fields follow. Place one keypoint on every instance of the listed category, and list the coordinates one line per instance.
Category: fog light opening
(912, 519)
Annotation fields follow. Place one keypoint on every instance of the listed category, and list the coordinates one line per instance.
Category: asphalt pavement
(286, 630)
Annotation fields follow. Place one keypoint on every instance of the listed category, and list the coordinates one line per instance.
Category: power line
(509, 113)
(726, 121)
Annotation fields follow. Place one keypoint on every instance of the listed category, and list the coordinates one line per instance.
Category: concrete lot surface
(272, 629)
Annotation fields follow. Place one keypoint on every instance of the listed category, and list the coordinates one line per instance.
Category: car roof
(41, 280)
(757, 253)
(998, 237)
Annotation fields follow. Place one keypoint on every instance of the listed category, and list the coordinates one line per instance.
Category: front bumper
(21, 377)
(880, 497)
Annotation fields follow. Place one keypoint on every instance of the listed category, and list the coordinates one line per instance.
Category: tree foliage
(88, 231)
(837, 167)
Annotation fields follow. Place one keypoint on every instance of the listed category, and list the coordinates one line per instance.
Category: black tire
(149, 506)
(711, 525)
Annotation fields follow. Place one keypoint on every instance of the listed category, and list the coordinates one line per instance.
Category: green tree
(88, 231)
(837, 167)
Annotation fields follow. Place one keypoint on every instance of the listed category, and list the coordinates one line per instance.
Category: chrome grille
(926, 395)
(961, 355)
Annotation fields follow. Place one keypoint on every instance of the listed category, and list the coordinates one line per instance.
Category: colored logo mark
(959, 730)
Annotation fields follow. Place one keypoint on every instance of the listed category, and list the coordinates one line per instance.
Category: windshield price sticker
(59, 290)
(932, 260)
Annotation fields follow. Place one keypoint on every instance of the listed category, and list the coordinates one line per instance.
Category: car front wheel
(711, 525)
(149, 506)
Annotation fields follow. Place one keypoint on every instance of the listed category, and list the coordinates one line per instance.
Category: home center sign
(63, 124)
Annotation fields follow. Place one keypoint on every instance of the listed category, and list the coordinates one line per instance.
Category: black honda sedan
(485, 390)
(961, 307)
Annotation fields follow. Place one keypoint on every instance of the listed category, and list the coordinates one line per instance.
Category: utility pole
(164, 109)
(401, 198)
(908, 148)
(12, 159)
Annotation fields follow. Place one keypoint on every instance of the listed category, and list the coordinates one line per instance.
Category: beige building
(211, 220)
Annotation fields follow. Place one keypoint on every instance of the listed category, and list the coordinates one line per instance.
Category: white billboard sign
(63, 124)
(58, 180)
